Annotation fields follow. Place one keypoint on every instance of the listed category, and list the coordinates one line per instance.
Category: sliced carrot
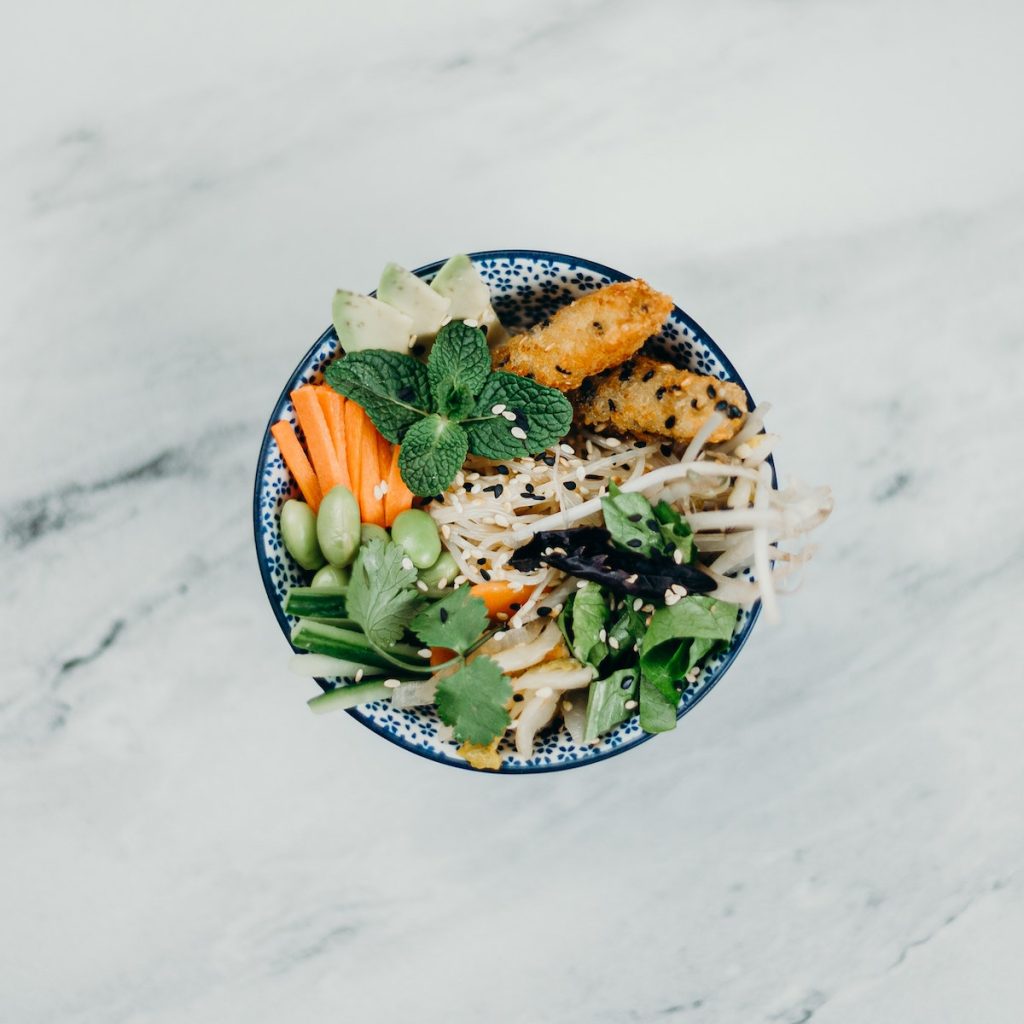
(318, 438)
(371, 501)
(333, 406)
(439, 655)
(355, 422)
(398, 497)
(297, 463)
(499, 596)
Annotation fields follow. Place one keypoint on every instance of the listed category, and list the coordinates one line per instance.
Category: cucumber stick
(347, 644)
(343, 697)
(316, 602)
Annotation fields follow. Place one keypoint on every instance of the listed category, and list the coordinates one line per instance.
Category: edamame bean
(332, 577)
(298, 531)
(371, 531)
(445, 568)
(337, 526)
(416, 532)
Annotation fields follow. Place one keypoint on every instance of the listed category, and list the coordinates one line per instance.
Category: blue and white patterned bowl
(526, 286)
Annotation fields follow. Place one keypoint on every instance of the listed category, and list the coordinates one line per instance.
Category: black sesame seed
(627, 683)
(711, 391)
(529, 376)
(666, 450)
(503, 470)
(592, 476)
(734, 412)
(670, 422)
(611, 405)
(442, 614)
(570, 485)
(486, 575)
(652, 524)
(418, 349)
(543, 611)
(521, 421)
(598, 326)
(635, 517)
(639, 444)
(530, 488)
(515, 606)
(517, 697)
(660, 393)
(561, 369)
(481, 561)
(626, 372)
(693, 403)
(405, 394)
(721, 406)
(548, 460)
(647, 376)
(588, 389)
(634, 542)
(495, 489)
(467, 487)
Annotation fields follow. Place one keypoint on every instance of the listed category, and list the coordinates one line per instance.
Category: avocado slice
(459, 281)
(415, 298)
(362, 322)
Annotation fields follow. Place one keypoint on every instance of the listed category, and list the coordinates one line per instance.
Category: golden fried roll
(596, 331)
(644, 396)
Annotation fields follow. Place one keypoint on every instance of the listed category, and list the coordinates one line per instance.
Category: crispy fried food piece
(587, 336)
(653, 399)
(482, 756)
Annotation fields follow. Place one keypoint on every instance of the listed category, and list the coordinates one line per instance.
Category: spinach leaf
(675, 532)
(589, 620)
(606, 702)
(629, 520)
(657, 713)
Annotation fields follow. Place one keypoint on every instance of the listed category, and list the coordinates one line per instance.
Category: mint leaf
(457, 621)
(542, 414)
(392, 388)
(432, 452)
(382, 596)
(630, 520)
(473, 701)
(657, 713)
(675, 531)
(589, 618)
(606, 702)
(458, 366)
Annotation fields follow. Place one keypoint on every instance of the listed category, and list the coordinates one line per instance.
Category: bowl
(527, 286)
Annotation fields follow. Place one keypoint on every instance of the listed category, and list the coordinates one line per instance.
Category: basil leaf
(457, 368)
(589, 618)
(392, 388)
(543, 414)
(629, 519)
(657, 713)
(676, 531)
(432, 452)
(606, 702)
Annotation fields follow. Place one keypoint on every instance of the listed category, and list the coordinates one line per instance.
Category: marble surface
(833, 190)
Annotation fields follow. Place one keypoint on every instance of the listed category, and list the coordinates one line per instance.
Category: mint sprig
(453, 405)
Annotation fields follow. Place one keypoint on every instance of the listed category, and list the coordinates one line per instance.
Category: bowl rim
(739, 641)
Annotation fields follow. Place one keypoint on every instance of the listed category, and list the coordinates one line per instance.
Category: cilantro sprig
(453, 405)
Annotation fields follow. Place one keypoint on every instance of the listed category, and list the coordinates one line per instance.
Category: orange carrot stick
(318, 438)
(355, 421)
(371, 501)
(399, 497)
(297, 463)
(333, 406)
(499, 596)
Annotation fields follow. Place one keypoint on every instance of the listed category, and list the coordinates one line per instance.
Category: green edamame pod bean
(331, 577)
(371, 531)
(337, 526)
(298, 531)
(445, 568)
(416, 532)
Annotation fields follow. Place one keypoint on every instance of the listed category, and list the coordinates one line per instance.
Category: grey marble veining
(833, 191)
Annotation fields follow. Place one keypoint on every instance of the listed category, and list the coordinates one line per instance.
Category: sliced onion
(537, 712)
(564, 674)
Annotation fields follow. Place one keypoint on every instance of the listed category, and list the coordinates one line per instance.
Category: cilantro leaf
(473, 701)
(543, 414)
(589, 618)
(432, 452)
(381, 593)
(630, 520)
(606, 702)
(458, 366)
(392, 388)
(457, 621)
(676, 531)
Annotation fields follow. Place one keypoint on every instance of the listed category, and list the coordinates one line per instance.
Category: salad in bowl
(517, 512)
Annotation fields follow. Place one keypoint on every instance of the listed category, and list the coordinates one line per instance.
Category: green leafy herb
(473, 701)
(589, 618)
(625, 634)
(457, 621)
(458, 366)
(541, 414)
(392, 388)
(440, 411)
(382, 597)
(657, 712)
(606, 702)
(676, 531)
(630, 520)
(432, 452)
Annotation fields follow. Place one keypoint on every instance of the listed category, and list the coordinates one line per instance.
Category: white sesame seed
(446, 320)
(420, 585)
(424, 652)
(603, 635)
(412, 342)
(638, 603)
(633, 578)
(612, 442)
(519, 433)
(677, 556)
(513, 725)
(500, 520)
(544, 691)
(581, 473)
(407, 564)
(471, 323)
(359, 674)
(613, 643)
(671, 597)
(557, 609)
(509, 415)
(648, 608)
(567, 449)
(498, 409)
(442, 583)
(580, 584)
(446, 531)
(567, 705)
(502, 616)
(384, 488)
(475, 489)
(629, 705)
(459, 580)
(392, 683)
